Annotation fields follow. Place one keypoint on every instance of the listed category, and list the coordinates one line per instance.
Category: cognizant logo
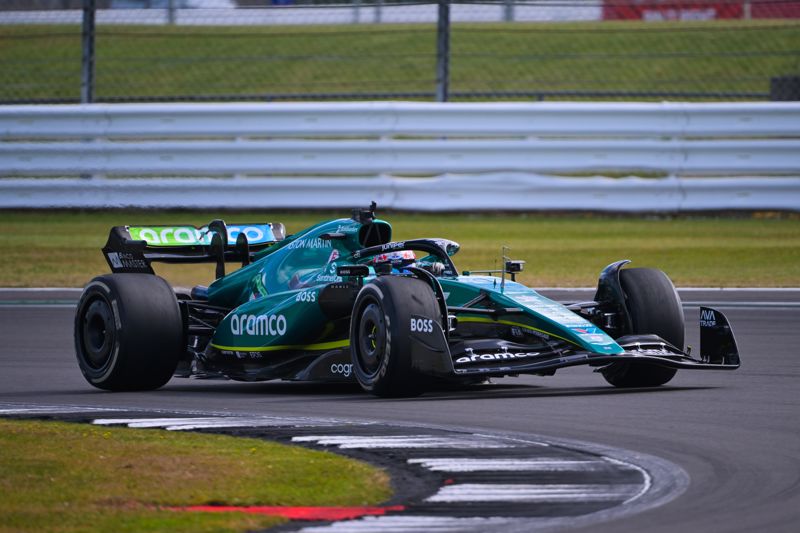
(258, 325)
(342, 368)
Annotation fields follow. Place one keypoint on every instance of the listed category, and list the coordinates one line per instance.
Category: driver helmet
(398, 259)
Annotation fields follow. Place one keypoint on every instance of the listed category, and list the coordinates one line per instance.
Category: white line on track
(648, 479)
(405, 441)
(185, 424)
(53, 410)
(487, 492)
(776, 305)
(411, 523)
(516, 464)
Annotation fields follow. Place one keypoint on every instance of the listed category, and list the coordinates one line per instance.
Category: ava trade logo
(708, 319)
(191, 236)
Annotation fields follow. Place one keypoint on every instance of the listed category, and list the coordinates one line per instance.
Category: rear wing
(133, 248)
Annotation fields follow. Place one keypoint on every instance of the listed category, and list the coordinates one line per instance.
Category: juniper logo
(258, 325)
(392, 246)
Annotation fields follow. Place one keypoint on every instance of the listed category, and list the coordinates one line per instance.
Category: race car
(341, 301)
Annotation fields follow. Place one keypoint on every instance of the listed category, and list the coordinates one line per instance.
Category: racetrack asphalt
(736, 434)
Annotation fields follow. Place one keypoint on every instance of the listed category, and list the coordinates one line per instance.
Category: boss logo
(306, 296)
(421, 325)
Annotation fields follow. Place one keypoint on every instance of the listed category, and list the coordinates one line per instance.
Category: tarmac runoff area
(446, 480)
(720, 448)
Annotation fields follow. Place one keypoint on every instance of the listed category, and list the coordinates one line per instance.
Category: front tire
(655, 308)
(380, 339)
(128, 332)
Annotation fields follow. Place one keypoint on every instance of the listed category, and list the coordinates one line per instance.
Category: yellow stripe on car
(319, 346)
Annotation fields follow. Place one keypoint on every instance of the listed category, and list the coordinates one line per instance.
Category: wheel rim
(371, 339)
(98, 333)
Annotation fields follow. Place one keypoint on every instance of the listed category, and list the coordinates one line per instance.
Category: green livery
(341, 301)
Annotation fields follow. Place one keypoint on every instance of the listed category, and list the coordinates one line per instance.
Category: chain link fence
(269, 50)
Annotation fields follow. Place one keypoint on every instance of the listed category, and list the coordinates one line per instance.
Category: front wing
(718, 351)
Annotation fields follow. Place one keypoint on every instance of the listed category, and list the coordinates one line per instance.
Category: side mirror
(512, 267)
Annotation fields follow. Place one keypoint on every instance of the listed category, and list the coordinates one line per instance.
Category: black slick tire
(380, 342)
(655, 308)
(128, 332)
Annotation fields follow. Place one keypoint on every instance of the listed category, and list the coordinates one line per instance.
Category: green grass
(162, 61)
(64, 478)
(59, 248)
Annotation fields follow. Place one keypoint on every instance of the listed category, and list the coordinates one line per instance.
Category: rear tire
(128, 332)
(380, 341)
(655, 308)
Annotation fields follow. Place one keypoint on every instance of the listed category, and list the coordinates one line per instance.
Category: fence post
(171, 12)
(443, 51)
(508, 11)
(87, 56)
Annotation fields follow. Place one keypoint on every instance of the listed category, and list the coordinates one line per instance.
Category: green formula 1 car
(341, 301)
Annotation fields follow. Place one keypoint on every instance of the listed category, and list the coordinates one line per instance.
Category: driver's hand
(435, 268)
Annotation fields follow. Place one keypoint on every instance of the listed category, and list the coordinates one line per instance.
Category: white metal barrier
(571, 119)
(315, 154)
(541, 11)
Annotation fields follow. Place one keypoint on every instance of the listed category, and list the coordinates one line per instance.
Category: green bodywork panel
(276, 298)
(277, 294)
(543, 316)
(286, 321)
(302, 259)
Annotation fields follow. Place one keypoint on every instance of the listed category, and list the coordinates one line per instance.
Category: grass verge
(60, 248)
(63, 477)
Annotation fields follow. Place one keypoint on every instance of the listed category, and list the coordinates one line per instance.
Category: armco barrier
(715, 156)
